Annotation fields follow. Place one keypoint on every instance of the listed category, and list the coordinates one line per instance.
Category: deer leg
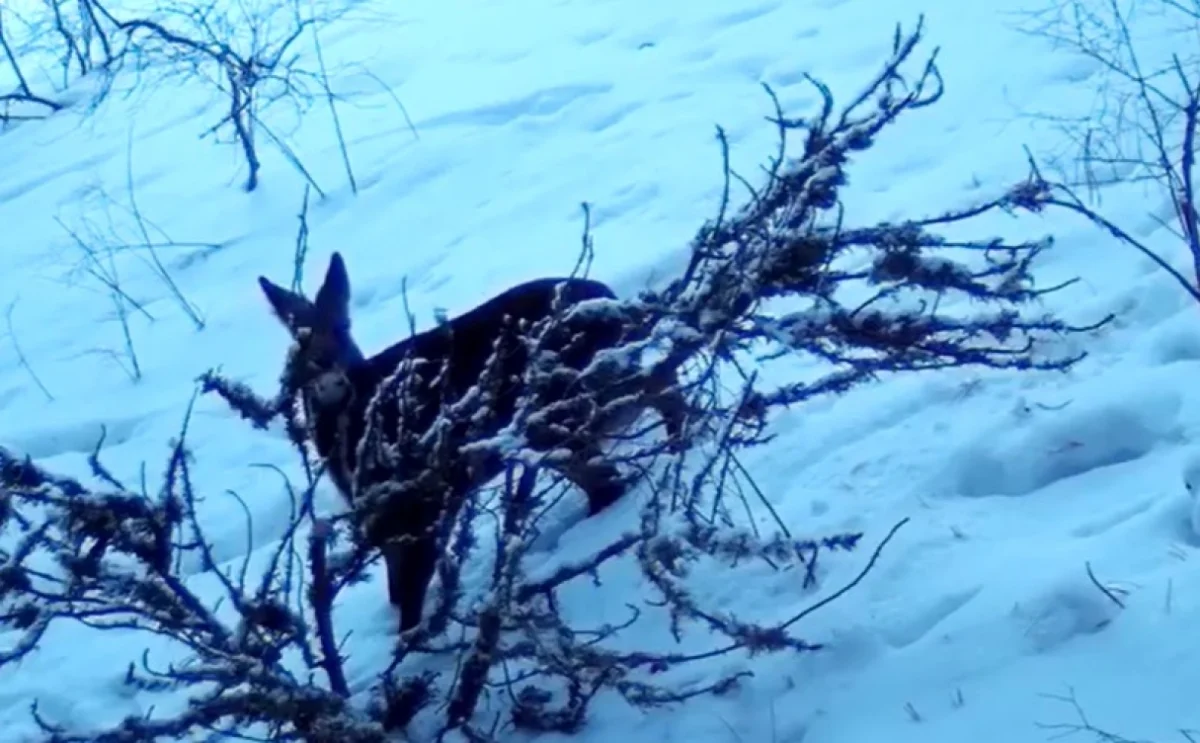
(393, 561)
(672, 406)
(599, 480)
(411, 564)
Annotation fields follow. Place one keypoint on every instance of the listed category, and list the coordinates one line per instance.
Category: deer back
(452, 358)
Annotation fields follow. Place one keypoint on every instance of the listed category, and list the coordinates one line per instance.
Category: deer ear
(292, 309)
(332, 304)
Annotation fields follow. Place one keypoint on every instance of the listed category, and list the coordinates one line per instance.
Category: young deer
(337, 384)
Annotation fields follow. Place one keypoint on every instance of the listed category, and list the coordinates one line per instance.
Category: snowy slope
(983, 603)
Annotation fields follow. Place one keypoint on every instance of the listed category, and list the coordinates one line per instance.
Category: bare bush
(22, 102)
(1141, 127)
(259, 55)
(248, 50)
(1081, 724)
(76, 36)
(49, 48)
(867, 301)
(108, 235)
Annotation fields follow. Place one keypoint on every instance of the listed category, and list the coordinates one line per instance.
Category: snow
(1016, 484)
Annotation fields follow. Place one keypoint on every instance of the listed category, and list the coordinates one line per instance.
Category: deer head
(324, 349)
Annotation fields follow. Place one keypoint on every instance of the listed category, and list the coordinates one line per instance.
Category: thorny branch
(866, 301)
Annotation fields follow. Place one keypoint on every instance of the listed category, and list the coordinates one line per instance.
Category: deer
(338, 386)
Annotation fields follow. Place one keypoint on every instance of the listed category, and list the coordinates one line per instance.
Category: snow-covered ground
(982, 605)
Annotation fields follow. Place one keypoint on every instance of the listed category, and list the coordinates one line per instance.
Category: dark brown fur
(338, 382)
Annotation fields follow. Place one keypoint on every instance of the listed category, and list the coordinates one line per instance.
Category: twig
(1111, 596)
(329, 98)
(21, 359)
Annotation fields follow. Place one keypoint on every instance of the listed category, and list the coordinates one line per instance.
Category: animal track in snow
(1063, 611)
(622, 201)
(1078, 70)
(795, 76)
(917, 623)
(613, 116)
(65, 170)
(738, 17)
(1082, 437)
(1174, 340)
(593, 35)
(1191, 484)
(8, 395)
(1109, 521)
(749, 66)
(701, 53)
(80, 438)
(553, 525)
(540, 103)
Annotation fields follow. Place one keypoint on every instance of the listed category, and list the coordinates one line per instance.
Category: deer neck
(334, 426)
